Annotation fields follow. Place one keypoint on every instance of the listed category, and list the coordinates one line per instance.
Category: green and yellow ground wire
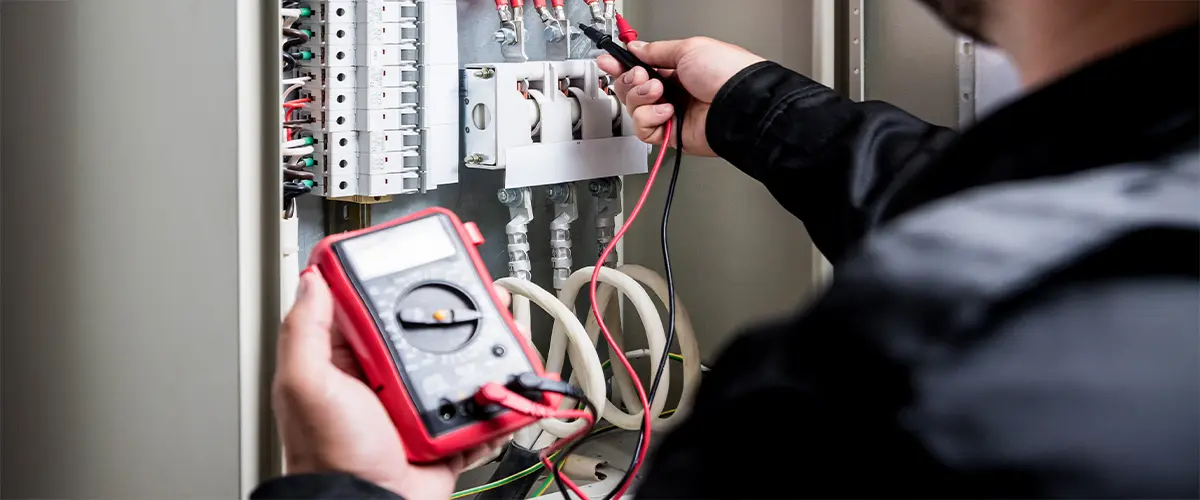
(536, 468)
(541, 489)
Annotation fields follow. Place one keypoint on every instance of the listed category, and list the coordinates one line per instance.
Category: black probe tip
(595, 35)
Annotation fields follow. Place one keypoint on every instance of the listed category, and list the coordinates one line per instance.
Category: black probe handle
(671, 92)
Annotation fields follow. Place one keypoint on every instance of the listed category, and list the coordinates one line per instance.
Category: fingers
(610, 65)
(628, 81)
(664, 54)
(649, 121)
(477, 457)
(304, 339)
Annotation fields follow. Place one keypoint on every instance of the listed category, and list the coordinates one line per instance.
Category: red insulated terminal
(624, 31)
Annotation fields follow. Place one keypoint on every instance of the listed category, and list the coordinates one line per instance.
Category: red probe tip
(624, 31)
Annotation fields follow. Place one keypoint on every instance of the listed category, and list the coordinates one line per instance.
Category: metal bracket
(520, 208)
(856, 88)
(511, 35)
(964, 60)
(341, 216)
(558, 36)
(607, 194)
(566, 211)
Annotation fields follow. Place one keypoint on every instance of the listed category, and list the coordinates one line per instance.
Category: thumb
(664, 54)
(305, 338)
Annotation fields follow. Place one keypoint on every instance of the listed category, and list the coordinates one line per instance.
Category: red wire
(498, 394)
(288, 117)
(615, 350)
(292, 106)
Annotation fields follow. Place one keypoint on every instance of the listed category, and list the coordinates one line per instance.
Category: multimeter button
(438, 316)
(473, 233)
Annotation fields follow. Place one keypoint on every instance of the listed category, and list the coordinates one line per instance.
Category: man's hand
(700, 65)
(330, 420)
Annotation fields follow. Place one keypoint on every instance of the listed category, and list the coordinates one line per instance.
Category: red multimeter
(417, 306)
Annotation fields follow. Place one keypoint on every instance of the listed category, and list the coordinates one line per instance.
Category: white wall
(126, 291)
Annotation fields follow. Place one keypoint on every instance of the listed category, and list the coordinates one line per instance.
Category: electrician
(1015, 312)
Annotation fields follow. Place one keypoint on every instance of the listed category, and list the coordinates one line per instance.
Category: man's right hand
(701, 65)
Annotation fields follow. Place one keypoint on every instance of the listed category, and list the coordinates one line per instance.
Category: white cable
(583, 356)
(297, 143)
(289, 12)
(292, 81)
(689, 348)
(291, 89)
(655, 337)
(307, 150)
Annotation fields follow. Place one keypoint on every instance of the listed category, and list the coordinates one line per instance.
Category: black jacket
(1016, 311)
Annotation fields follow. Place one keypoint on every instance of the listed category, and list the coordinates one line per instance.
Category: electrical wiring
(644, 436)
(295, 86)
(297, 103)
(688, 344)
(307, 141)
(500, 395)
(306, 150)
(647, 312)
(592, 380)
(541, 489)
(294, 37)
(297, 181)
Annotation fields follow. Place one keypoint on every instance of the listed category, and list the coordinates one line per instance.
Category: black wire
(295, 38)
(544, 385)
(633, 462)
(289, 62)
(558, 475)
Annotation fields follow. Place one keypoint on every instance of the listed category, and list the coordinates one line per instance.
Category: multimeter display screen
(399, 248)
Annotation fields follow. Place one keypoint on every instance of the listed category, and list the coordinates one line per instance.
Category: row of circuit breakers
(395, 112)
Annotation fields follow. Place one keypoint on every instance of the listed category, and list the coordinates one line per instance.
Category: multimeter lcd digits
(416, 304)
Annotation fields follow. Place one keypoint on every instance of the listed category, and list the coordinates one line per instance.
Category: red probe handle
(625, 31)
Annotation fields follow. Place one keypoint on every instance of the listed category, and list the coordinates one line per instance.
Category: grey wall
(121, 264)
(738, 257)
(910, 60)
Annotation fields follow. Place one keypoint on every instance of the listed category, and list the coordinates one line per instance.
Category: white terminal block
(387, 96)
(562, 128)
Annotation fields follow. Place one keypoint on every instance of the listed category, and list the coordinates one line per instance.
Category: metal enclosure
(140, 252)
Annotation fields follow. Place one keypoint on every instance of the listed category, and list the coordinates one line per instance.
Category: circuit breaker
(384, 93)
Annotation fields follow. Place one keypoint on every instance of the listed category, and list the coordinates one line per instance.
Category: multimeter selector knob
(438, 318)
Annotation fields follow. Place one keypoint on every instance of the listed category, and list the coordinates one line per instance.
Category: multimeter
(417, 306)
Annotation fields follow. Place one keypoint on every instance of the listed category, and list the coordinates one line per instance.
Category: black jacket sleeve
(830, 161)
(1088, 392)
(321, 486)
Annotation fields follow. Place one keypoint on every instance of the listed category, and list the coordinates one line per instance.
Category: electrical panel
(384, 96)
(389, 106)
(547, 122)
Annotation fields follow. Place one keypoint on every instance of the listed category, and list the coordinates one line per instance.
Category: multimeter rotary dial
(437, 317)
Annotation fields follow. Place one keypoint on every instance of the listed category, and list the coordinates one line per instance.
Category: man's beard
(964, 16)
